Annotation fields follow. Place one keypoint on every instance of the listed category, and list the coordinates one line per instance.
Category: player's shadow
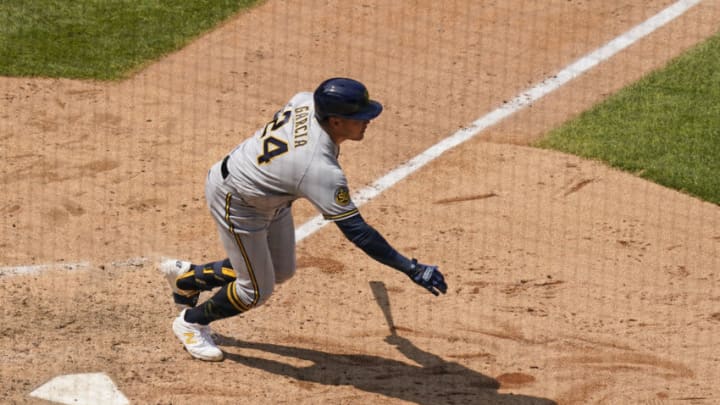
(432, 380)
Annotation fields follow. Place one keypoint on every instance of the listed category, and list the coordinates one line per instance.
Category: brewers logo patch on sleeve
(342, 196)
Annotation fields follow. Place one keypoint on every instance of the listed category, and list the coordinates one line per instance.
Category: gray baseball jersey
(250, 192)
(291, 157)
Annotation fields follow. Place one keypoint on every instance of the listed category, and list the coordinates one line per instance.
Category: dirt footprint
(514, 380)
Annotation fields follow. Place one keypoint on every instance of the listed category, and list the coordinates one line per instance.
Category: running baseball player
(249, 194)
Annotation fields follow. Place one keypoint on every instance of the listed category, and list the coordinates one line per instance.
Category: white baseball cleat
(196, 339)
(173, 269)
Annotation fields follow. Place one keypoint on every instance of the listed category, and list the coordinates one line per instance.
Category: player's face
(347, 129)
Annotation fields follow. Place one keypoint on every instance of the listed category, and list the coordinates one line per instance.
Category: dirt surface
(569, 282)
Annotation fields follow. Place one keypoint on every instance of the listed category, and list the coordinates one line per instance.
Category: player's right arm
(374, 245)
(326, 187)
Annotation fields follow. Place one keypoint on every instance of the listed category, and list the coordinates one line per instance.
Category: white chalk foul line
(18, 270)
(518, 103)
(38, 268)
(366, 194)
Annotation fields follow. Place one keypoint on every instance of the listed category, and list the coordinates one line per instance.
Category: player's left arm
(374, 245)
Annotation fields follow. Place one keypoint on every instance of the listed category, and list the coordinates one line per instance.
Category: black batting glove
(428, 277)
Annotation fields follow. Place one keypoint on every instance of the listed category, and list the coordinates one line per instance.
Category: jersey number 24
(273, 147)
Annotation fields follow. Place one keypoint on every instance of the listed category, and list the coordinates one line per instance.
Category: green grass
(100, 39)
(664, 128)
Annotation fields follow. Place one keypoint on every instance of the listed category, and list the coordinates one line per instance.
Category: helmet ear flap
(320, 109)
(325, 105)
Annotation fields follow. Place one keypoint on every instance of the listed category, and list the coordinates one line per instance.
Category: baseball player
(249, 194)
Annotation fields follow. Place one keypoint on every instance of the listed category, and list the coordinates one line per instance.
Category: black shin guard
(207, 276)
(224, 304)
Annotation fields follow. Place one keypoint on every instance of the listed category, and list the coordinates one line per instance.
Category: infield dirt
(569, 281)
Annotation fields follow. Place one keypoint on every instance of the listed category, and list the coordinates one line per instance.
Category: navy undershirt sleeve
(372, 243)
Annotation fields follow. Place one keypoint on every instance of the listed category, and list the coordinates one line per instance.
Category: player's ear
(335, 121)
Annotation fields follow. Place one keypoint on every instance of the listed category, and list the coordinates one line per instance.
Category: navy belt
(223, 167)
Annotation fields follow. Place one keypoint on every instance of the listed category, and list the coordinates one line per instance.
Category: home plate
(80, 389)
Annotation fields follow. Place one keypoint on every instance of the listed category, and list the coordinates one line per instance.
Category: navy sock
(224, 304)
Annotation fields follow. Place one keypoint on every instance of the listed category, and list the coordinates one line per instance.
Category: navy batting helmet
(346, 98)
